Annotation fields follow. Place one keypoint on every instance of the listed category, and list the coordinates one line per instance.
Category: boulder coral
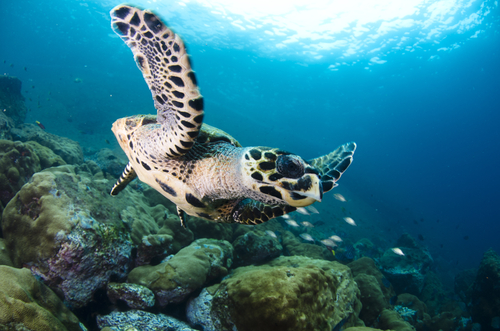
(190, 269)
(69, 231)
(69, 150)
(288, 293)
(18, 162)
(27, 304)
(256, 247)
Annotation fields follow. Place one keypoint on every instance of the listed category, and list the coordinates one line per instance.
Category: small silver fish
(328, 243)
(350, 221)
(398, 251)
(306, 237)
(336, 238)
(292, 223)
(303, 211)
(339, 197)
(307, 224)
(286, 216)
(271, 233)
(312, 209)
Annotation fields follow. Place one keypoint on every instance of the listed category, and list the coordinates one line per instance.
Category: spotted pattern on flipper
(253, 212)
(126, 177)
(333, 165)
(161, 56)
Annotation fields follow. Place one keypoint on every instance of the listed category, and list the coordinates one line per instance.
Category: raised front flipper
(162, 58)
(253, 212)
(127, 176)
(333, 165)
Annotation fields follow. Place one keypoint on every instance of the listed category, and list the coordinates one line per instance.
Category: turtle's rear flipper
(127, 176)
(252, 212)
(333, 165)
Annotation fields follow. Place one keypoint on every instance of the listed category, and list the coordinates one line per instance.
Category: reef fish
(398, 251)
(40, 125)
(350, 221)
(306, 237)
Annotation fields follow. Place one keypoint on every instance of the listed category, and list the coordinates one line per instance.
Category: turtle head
(279, 177)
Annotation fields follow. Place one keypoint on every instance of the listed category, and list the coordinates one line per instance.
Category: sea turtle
(202, 169)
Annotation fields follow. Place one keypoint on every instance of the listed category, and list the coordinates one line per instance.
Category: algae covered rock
(289, 293)
(407, 273)
(6, 124)
(69, 150)
(137, 320)
(256, 247)
(18, 162)
(392, 320)
(65, 226)
(27, 304)
(135, 296)
(4, 254)
(187, 271)
(293, 246)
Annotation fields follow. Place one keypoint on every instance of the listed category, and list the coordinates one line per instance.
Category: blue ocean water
(417, 89)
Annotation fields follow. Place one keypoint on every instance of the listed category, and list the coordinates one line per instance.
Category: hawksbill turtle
(201, 169)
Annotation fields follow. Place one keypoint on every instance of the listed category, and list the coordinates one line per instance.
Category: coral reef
(293, 246)
(18, 162)
(288, 293)
(412, 310)
(137, 320)
(206, 229)
(107, 161)
(27, 304)
(406, 273)
(392, 320)
(65, 226)
(11, 99)
(256, 247)
(4, 254)
(69, 150)
(191, 268)
(485, 296)
(135, 296)
(6, 124)
(376, 291)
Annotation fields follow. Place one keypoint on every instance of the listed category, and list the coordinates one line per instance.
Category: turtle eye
(289, 166)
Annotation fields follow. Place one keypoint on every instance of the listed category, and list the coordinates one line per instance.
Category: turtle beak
(308, 195)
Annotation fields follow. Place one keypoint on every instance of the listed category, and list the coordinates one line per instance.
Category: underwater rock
(6, 124)
(65, 226)
(190, 269)
(449, 321)
(288, 293)
(11, 99)
(108, 162)
(27, 304)
(68, 149)
(135, 296)
(392, 320)
(138, 320)
(293, 246)
(4, 254)
(255, 247)
(18, 162)
(371, 297)
(206, 229)
(366, 265)
(434, 294)
(365, 248)
(463, 284)
(485, 296)
(406, 273)
(413, 311)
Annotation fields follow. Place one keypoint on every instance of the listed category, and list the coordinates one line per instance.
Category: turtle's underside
(202, 169)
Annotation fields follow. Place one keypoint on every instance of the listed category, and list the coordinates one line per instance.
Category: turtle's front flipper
(333, 165)
(253, 212)
(127, 176)
(162, 58)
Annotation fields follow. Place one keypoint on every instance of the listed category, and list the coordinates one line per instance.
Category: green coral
(188, 270)
(27, 304)
(289, 293)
